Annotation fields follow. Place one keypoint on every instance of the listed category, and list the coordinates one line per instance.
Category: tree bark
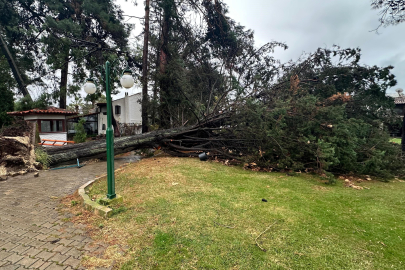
(145, 103)
(21, 85)
(63, 82)
(164, 84)
(117, 132)
(155, 89)
(403, 131)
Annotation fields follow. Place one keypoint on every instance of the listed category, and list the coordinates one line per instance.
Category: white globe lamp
(90, 87)
(127, 81)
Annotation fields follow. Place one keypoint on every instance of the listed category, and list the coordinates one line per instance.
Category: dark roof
(399, 100)
(80, 116)
(50, 110)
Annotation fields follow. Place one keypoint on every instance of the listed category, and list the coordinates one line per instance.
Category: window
(103, 126)
(91, 118)
(117, 109)
(46, 126)
(57, 126)
(51, 125)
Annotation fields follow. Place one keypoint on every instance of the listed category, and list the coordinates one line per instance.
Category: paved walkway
(33, 235)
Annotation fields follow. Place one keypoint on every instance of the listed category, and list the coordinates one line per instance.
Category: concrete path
(33, 235)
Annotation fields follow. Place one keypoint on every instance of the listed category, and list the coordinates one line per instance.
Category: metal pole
(109, 137)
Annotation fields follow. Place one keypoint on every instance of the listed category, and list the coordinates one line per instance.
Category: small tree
(80, 134)
(26, 103)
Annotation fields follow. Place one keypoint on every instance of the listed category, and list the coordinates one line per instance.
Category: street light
(127, 81)
(90, 86)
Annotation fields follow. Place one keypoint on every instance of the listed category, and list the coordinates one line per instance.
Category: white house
(51, 122)
(126, 110)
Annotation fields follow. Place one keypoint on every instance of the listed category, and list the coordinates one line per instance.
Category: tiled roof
(50, 110)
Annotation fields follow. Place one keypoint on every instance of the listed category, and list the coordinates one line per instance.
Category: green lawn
(186, 214)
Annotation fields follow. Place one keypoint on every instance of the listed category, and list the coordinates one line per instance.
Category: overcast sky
(305, 25)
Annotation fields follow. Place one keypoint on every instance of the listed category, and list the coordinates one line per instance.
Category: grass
(186, 214)
(396, 140)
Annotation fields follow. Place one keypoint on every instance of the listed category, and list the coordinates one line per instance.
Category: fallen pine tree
(97, 149)
(208, 136)
(302, 134)
(304, 122)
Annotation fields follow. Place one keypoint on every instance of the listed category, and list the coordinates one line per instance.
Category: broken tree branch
(257, 243)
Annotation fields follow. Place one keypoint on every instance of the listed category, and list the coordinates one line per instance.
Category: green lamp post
(127, 81)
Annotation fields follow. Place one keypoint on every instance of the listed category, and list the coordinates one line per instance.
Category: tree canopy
(392, 12)
(44, 36)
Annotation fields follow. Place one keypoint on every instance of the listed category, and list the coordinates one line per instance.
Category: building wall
(121, 117)
(134, 109)
(102, 119)
(130, 111)
(62, 136)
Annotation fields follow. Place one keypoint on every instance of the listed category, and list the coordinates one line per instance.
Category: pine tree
(6, 94)
(145, 98)
(78, 30)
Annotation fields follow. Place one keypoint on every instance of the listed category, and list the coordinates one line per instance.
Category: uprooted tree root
(17, 154)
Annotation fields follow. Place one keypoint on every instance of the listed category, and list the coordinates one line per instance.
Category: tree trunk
(155, 89)
(14, 68)
(183, 141)
(403, 131)
(117, 132)
(97, 149)
(164, 84)
(145, 103)
(63, 82)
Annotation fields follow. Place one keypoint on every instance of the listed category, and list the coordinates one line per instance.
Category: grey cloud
(308, 24)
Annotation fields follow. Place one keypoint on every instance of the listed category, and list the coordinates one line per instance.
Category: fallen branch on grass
(257, 243)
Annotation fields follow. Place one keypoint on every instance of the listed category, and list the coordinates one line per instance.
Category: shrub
(80, 134)
(42, 157)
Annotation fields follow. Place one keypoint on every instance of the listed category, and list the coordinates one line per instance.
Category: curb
(92, 206)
